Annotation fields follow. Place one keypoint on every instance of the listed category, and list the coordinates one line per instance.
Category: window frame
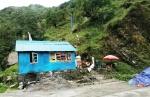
(60, 57)
(33, 58)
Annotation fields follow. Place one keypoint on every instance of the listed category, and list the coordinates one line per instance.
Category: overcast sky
(18, 3)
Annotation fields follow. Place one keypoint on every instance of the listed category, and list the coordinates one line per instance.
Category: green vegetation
(122, 71)
(9, 77)
(3, 88)
(104, 27)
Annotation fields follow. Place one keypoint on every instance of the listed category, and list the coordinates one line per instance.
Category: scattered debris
(60, 80)
(9, 78)
(12, 86)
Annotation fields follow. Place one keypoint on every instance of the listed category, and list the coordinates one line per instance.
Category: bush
(124, 68)
(123, 77)
(122, 71)
(3, 88)
(11, 71)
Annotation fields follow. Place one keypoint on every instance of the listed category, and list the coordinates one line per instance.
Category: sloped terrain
(129, 38)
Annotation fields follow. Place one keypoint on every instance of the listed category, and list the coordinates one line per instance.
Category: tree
(51, 18)
(15, 23)
(7, 38)
(55, 17)
(91, 8)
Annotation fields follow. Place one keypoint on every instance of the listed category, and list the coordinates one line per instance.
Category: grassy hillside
(128, 38)
(114, 27)
(124, 34)
(111, 27)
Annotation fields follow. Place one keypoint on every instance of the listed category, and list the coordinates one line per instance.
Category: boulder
(12, 58)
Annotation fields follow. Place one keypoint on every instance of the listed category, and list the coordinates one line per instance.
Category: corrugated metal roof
(22, 45)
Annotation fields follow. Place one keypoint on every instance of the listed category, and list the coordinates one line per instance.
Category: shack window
(33, 57)
(60, 57)
(52, 57)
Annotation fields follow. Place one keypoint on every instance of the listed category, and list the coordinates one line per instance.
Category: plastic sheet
(143, 78)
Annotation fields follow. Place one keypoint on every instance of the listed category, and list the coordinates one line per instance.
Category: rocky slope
(129, 38)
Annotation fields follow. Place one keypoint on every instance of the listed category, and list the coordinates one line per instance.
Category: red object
(140, 85)
(110, 57)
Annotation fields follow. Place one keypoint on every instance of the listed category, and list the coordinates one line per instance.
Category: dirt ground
(94, 85)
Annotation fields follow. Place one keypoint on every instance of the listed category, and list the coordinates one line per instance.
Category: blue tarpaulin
(143, 78)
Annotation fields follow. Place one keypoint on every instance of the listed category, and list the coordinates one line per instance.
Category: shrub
(124, 68)
(11, 71)
(3, 88)
(123, 77)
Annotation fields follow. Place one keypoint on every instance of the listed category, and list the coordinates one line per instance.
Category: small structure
(42, 56)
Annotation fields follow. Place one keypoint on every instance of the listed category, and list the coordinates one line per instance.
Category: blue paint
(43, 64)
(43, 49)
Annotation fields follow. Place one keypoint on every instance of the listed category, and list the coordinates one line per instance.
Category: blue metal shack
(41, 56)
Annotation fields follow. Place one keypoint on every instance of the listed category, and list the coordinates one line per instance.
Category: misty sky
(19, 3)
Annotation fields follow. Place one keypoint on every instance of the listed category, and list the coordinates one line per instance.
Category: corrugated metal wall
(43, 64)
